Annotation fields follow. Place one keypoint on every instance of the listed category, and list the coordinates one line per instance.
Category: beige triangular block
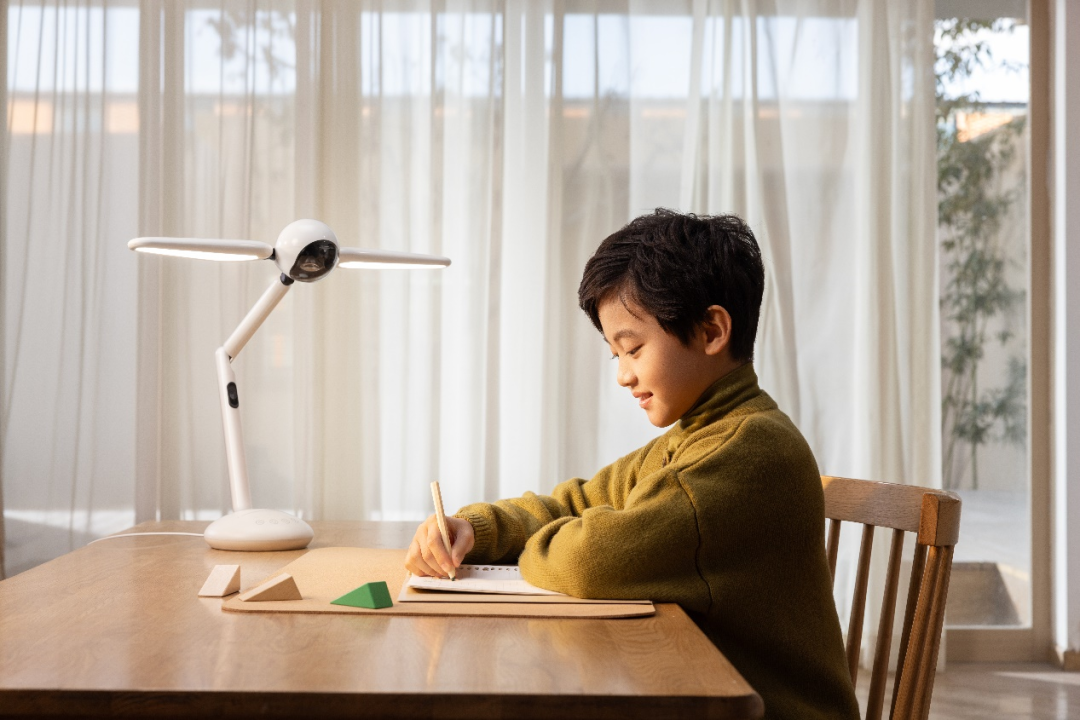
(224, 580)
(283, 587)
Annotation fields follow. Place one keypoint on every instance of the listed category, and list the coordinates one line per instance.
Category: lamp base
(258, 531)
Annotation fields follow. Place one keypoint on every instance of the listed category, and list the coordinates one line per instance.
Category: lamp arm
(229, 395)
(257, 315)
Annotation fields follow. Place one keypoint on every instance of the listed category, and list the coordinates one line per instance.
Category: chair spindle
(858, 606)
(918, 563)
(909, 704)
(833, 546)
(941, 557)
(885, 626)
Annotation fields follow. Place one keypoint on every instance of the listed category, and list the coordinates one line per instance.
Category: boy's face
(666, 377)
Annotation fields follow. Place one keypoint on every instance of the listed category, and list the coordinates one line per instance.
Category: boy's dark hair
(675, 266)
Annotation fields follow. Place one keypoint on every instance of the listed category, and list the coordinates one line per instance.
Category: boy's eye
(615, 356)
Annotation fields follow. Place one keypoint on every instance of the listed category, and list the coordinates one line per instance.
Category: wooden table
(116, 629)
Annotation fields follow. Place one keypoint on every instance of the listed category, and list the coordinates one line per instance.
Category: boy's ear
(715, 330)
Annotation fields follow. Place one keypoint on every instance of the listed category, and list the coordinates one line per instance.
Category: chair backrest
(934, 517)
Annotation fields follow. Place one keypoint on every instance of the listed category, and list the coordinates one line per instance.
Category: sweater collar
(721, 398)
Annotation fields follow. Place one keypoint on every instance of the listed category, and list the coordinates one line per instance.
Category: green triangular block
(373, 595)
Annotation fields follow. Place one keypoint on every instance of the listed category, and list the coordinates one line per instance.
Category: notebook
(486, 579)
(491, 585)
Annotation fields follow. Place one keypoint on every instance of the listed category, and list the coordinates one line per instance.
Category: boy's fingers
(438, 548)
(430, 543)
(459, 553)
(415, 567)
(414, 561)
(464, 539)
(430, 565)
(437, 569)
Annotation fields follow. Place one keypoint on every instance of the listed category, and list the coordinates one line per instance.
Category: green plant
(975, 260)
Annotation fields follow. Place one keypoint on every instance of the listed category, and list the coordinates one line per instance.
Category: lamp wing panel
(386, 259)
(204, 249)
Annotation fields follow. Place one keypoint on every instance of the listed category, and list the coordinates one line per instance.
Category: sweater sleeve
(647, 550)
(503, 528)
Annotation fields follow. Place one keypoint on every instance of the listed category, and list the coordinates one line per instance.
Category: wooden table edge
(52, 703)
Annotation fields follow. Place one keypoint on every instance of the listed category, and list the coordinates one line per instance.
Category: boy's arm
(648, 550)
(503, 528)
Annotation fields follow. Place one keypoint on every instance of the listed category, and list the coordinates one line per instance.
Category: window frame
(1032, 643)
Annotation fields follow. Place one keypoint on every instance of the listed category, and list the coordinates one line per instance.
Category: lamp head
(306, 250)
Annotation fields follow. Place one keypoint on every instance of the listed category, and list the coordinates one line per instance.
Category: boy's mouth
(643, 399)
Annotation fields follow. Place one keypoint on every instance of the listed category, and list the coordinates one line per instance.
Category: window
(983, 91)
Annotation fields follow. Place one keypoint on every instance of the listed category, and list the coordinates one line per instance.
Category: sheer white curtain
(511, 136)
(3, 225)
(69, 286)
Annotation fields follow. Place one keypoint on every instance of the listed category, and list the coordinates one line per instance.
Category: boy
(724, 513)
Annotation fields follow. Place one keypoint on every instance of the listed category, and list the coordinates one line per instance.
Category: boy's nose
(625, 375)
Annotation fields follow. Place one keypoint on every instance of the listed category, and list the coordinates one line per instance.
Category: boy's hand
(427, 554)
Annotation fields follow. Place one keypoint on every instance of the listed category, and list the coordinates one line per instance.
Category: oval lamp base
(258, 531)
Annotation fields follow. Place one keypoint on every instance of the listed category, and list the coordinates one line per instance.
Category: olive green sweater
(722, 514)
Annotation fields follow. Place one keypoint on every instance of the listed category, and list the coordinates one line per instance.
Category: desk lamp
(306, 250)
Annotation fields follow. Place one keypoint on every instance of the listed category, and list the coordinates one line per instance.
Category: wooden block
(283, 587)
(224, 580)
(373, 596)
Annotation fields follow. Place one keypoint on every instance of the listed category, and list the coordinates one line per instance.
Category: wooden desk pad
(325, 574)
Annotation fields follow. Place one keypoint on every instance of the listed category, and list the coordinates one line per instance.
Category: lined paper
(493, 579)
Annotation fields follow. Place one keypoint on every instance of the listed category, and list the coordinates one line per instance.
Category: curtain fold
(3, 258)
(511, 136)
(70, 151)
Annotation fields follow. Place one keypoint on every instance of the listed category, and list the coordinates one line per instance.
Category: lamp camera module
(306, 250)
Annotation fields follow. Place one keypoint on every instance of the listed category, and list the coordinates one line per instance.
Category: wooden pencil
(440, 516)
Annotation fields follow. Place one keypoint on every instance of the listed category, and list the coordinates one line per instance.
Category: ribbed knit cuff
(484, 534)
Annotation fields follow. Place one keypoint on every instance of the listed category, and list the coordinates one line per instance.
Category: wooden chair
(934, 515)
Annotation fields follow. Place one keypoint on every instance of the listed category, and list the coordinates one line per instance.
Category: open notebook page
(494, 579)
